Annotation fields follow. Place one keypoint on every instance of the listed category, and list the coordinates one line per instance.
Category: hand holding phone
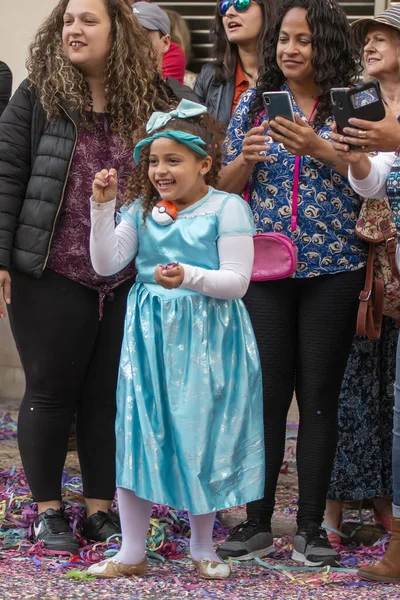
(343, 150)
(255, 145)
(361, 102)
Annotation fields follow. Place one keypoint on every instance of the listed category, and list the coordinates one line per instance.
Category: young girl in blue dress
(189, 423)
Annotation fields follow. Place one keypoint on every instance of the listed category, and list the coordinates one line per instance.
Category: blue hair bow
(193, 142)
(184, 110)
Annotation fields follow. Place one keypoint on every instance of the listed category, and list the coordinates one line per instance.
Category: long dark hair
(334, 58)
(225, 53)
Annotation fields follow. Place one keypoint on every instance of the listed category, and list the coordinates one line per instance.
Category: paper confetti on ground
(28, 571)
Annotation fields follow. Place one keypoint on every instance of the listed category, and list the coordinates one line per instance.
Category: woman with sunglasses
(238, 34)
(304, 324)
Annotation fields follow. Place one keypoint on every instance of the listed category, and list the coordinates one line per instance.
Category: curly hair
(133, 89)
(140, 188)
(334, 58)
(226, 53)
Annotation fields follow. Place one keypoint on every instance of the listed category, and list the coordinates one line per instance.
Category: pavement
(40, 579)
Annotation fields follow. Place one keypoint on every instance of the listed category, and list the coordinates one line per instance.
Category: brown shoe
(110, 568)
(208, 569)
(386, 570)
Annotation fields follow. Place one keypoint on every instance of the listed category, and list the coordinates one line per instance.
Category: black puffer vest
(35, 158)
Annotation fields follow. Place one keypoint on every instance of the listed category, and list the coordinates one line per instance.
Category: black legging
(304, 330)
(70, 360)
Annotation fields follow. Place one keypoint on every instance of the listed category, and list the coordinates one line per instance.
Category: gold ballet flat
(108, 569)
(209, 569)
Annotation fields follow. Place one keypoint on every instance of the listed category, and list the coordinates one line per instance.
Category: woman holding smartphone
(304, 324)
(366, 401)
(377, 177)
(238, 34)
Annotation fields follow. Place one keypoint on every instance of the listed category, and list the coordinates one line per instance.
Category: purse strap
(296, 177)
(391, 245)
(370, 311)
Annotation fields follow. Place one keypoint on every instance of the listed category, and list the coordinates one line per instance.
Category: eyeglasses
(238, 5)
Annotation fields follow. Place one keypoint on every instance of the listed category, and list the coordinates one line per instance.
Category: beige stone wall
(19, 21)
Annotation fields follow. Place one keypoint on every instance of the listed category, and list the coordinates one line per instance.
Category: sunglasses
(239, 5)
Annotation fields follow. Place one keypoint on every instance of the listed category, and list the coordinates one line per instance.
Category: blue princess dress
(189, 402)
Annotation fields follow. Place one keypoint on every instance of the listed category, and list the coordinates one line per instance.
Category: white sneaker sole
(255, 554)
(298, 557)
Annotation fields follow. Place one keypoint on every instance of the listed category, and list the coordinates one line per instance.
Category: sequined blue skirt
(189, 402)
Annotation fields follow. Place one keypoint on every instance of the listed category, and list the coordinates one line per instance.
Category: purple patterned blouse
(97, 148)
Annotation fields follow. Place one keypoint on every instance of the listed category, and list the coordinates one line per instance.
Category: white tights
(135, 515)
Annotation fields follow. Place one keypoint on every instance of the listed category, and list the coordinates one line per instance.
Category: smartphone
(278, 104)
(362, 101)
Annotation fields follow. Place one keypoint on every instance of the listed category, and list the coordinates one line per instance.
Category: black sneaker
(51, 527)
(312, 548)
(246, 541)
(100, 526)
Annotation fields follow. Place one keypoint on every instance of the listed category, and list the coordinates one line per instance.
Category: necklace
(249, 76)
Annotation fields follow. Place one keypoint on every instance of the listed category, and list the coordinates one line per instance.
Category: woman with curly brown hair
(189, 418)
(304, 323)
(91, 84)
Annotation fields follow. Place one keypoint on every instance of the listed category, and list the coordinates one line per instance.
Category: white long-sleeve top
(112, 248)
(374, 185)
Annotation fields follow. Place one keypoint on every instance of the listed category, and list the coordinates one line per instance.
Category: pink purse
(275, 255)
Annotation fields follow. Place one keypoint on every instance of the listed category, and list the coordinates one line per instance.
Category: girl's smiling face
(86, 35)
(177, 173)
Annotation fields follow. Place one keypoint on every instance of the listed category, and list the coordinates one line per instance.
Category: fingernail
(8, 301)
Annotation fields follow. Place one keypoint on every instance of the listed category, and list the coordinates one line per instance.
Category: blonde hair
(133, 89)
(180, 33)
(365, 77)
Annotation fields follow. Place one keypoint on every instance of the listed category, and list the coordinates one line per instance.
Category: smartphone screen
(364, 98)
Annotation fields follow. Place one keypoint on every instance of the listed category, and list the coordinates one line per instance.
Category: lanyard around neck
(296, 177)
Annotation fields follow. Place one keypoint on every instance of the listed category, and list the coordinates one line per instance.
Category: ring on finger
(362, 134)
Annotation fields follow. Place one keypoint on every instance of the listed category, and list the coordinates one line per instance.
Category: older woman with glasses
(363, 465)
(376, 177)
